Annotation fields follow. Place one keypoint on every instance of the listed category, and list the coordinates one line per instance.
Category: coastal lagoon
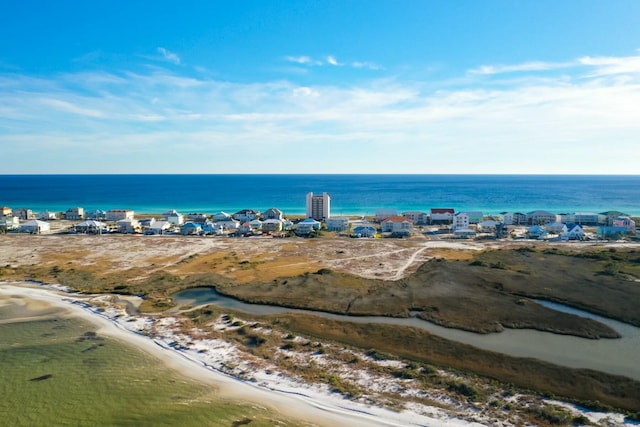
(614, 356)
(57, 370)
(350, 194)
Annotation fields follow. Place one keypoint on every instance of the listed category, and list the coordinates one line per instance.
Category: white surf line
(316, 410)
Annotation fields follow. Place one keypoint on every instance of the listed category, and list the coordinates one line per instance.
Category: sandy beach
(315, 408)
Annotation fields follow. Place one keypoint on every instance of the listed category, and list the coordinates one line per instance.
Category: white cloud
(526, 66)
(369, 65)
(300, 59)
(475, 127)
(169, 56)
(603, 65)
(331, 60)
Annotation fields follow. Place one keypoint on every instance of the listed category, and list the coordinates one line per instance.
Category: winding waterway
(614, 356)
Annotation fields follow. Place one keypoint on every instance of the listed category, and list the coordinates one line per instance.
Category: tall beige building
(318, 206)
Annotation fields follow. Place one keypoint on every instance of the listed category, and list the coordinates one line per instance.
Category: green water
(98, 381)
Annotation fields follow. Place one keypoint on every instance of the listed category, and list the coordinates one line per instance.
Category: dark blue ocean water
(350, 194)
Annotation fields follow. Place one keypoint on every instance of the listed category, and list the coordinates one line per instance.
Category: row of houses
(250, 221)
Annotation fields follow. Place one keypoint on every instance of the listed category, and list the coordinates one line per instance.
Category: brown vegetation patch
(416, 344)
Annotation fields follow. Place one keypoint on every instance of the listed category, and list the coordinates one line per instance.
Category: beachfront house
(47, 216)
(190, 229)
(464, 233)
(221, 216)
(96, 214)
(228, 224)
(119, 214)
(382, 214)
(173, 217)
(488, 226)
(556, 228)
(607, 218)
(625, 222)
(210, 228)
(460, 221)
(575, 233)
(256, 224)
(513, 218)
(536, 232)
(245, 228)
(35, 227)
(158, 228)
(196, 217)
(246, 215)
(74, 214)
(364, 230)
(397, 225)
(5, 211)
(582, 218)
(24, 214)
(417, 217)
(9, 223)
(273, 213)
(337, 223)
(306, 227)
(272, 226)
(441, 215)
(128, 226)
(540, 217)
(91, 226)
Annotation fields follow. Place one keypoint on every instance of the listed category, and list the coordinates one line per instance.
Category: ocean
(350, 194)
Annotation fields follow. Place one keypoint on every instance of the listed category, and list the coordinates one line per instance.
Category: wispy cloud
(331, 60)
(607, 65)
(169, 56)
(527, 66)
(591, 65)
(176, 121)
(369, 65)
(300, 59)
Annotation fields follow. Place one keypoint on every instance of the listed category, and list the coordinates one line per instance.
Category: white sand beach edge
(322, 410)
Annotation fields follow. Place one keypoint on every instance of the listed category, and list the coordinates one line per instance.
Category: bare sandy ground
(388, 259)
(312, 409)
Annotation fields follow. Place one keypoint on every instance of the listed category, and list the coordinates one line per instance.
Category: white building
(9, 223)
(91, 226)
(441, 215)
(46, 215)
(74, 214)
(159, 227)
(460, 221)
(128, 226)
(318, 206)
(397, 225)
(23, 213)
(273, 213)
(417, 217)
(35, 226)
(337, 223)
(173, 217)
(246, 215)
(304, 228)
(382, 214)
(118, 214)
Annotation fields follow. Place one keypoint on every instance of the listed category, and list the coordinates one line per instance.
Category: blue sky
(320, 87)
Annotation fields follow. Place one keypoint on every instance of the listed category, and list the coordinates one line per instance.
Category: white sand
(318, 408)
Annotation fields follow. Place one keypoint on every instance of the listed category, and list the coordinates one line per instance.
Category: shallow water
(614, 356)
(54, 371)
